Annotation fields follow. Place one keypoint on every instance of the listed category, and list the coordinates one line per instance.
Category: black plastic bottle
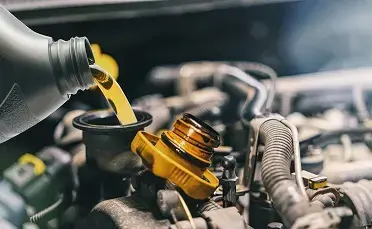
(37, 74)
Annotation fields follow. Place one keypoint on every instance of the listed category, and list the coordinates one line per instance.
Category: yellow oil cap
(182, 155)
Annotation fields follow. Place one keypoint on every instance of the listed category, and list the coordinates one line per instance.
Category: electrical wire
(47, 211)
(187, 211)
(297, 157)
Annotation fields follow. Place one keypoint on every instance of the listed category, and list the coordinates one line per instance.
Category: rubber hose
(287, 198)
(209, 205)
(324, 201)
(360, 195)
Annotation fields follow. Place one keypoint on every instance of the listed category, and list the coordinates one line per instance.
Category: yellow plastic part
(39, 166)
(318, 185)
(195, 182)
(105, 61)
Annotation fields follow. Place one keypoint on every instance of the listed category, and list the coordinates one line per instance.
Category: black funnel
(108, 151)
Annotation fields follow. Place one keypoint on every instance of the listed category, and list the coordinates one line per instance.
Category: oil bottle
(37, 74)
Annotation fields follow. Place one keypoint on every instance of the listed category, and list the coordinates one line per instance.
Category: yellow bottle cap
(39, 166)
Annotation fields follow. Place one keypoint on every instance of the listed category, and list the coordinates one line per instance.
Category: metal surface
(297, 156)
(357, 77)
(228, 181)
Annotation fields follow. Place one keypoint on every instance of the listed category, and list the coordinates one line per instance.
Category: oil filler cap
(182, 155)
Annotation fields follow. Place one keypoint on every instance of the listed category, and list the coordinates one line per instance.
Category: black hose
(262, 70)
(287, 197)
(251, 107)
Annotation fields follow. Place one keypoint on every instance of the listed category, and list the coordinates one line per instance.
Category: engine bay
(217, 156)
(218, 144)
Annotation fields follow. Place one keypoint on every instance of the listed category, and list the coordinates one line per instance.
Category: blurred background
(292, 37)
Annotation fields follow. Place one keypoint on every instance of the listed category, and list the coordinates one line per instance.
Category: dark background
(292, 37)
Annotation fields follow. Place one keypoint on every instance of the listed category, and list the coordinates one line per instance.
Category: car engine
(235, 153)
(218, 144)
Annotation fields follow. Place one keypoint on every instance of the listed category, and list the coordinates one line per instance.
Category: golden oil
(114, 95)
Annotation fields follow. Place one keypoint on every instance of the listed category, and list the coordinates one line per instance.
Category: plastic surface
(163, 166)
(108, 143)
(12, 207)
(108, 156)
(37, 75)
(182, 155)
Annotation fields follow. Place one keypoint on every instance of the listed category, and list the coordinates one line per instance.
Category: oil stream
(114, 95)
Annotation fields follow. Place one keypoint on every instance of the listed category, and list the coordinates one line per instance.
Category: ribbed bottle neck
(70, 61)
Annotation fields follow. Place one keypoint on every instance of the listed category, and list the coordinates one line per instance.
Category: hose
(297, 157)
(209, 205)
(323, 139)
(216, 100)
(199, 111)
(339, 173)
(251, 108)
(262, 70)
(47, 211)
(323, 201)
(360, 196)
(360, 104)
(348, 147)
(202, 70)
(287, 197)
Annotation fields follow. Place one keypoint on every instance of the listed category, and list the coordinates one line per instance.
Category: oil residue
(114, 95)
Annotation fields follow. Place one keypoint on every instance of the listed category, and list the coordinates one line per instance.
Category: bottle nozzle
(72, 59)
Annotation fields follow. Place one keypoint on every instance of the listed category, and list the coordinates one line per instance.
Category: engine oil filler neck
(182, 155)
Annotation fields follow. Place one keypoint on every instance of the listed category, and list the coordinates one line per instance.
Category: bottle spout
(71, 60)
